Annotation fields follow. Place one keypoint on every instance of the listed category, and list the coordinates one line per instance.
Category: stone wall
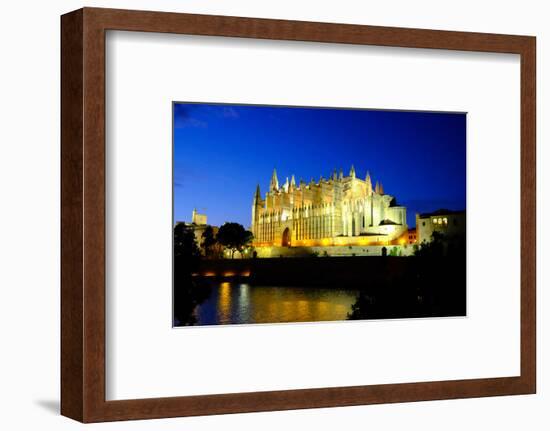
(357, 272)
(371, 250)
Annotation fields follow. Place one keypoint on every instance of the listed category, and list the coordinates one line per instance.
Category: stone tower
(257, 205)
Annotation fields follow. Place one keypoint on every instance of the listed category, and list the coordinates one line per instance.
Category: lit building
(337, 211)
(411, 236)
(198, 219)
(452, 224)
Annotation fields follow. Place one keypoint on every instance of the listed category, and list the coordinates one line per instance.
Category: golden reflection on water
(224, 301)
(242, 303)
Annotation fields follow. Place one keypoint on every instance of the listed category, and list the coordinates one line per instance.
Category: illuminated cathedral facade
(336, 211)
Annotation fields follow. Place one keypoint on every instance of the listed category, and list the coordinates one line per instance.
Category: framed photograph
(242, 256)
(267, 215)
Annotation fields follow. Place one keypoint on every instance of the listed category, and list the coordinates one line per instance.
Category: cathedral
(336, 211)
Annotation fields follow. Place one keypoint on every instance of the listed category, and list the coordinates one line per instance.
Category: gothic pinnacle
(369, 184)
(274, 184)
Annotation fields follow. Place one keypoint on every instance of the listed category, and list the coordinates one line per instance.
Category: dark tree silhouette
(188, 293)
(433, 283)
(208, 241)
(434, 248)
(185, 244)
(234, 237)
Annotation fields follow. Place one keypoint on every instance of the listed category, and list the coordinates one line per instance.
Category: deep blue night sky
(222, 151)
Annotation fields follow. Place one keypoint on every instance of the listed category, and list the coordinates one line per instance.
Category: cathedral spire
(381, 189)
(274, 184)
(369, 184)
(377, 188)
(352, 172)
(341, 176)
(257, 196)
(292, 181)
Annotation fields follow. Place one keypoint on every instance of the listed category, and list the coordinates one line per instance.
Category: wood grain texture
(83, 214)
(72, 304)
(528, 216)
(94, 216)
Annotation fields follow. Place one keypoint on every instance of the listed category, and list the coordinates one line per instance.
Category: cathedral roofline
(442, 211)
(322, 180)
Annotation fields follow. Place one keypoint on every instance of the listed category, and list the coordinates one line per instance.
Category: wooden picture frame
(83, 214)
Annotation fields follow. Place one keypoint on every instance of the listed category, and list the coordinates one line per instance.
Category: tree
(185, 244)
(234, 237)
(247, 240)
(431, 283)
(434, 248)
(208, 240)
(188, 292)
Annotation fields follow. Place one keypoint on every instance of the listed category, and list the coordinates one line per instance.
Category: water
(231, 303)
